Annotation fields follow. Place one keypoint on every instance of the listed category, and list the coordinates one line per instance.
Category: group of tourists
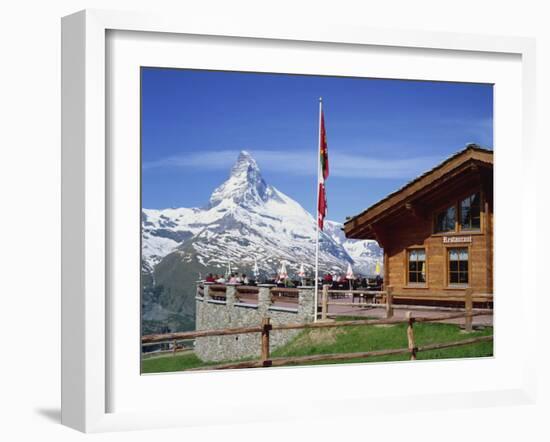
(335, 281)
(233, 278)
(341, 282)
(282, 282)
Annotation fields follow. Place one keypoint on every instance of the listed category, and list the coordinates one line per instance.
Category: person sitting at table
(210, 278)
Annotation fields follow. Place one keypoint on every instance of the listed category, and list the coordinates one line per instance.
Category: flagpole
(316, 293)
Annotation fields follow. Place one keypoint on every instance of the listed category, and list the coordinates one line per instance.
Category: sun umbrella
(302, 273)
(350, 275)
(228, 275)
(282, 273)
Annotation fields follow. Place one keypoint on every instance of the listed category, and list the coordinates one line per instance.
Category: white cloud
(300, 162)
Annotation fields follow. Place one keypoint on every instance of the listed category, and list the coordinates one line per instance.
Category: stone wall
(214, 314)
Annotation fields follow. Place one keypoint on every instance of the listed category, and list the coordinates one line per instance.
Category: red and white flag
(323, 172)
(322, 175)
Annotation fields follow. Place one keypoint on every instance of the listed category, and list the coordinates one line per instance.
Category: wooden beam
(488, 248)
(386, 269)
(266, 327)
(364, 232)
(380, 235)
(410, 336)
(389, 302)
(417, 210)
(468, 305)
(324, 308)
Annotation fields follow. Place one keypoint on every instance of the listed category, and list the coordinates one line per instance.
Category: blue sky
(380, 133)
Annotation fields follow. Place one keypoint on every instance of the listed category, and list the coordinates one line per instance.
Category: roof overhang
(368, 224)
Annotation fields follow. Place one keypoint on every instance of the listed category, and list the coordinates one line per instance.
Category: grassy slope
(350, 340)
(360, 339)
(166, 363)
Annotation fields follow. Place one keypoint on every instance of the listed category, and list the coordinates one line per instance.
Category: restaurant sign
(457, 239)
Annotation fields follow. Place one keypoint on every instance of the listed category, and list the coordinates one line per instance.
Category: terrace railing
(386, 299)
(288, 297)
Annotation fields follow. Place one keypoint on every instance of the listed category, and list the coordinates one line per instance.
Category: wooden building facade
(436, 231)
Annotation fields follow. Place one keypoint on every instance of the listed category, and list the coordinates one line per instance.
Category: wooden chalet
(436, 231)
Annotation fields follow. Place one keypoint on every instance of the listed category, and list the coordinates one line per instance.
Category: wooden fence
(386, 299)
(266, 327)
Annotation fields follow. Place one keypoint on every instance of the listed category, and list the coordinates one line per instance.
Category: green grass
(361, 339)
(351, 340)
(164, 363)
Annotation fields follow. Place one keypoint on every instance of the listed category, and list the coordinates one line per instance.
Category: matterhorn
(245, 221)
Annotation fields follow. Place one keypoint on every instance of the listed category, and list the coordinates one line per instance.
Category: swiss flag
(323, 171)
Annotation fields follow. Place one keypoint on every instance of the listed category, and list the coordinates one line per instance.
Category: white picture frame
(87, 207)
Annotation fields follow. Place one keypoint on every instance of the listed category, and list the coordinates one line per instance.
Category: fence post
(206, 291)
(266, 327)
(410, 336)
(324, 308)
(468, 305)
(389, 302)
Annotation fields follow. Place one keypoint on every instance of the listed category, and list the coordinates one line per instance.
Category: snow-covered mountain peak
(248, 219)
(245, 185)
(245, 164)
